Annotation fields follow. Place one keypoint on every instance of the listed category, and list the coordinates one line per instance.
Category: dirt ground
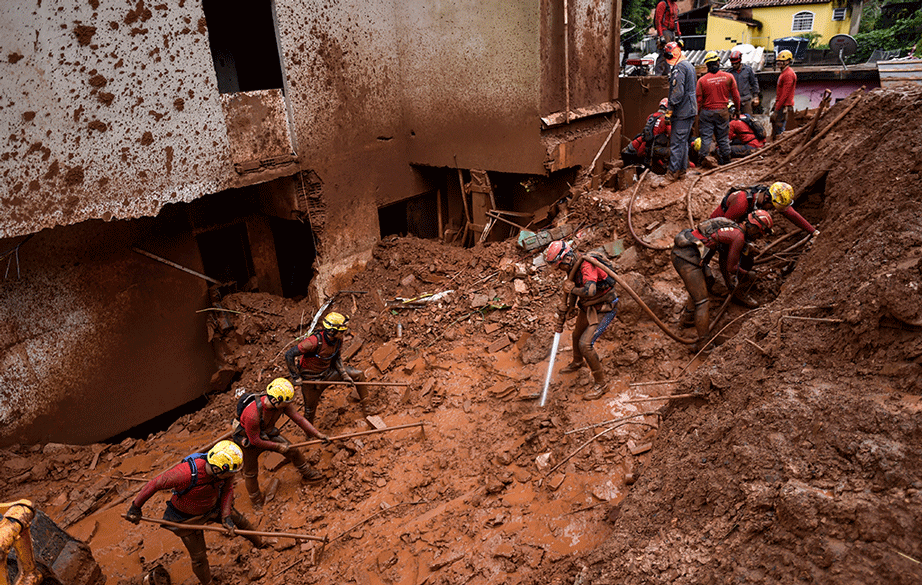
(798, 461)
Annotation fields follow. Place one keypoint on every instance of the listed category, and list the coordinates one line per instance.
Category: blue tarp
(796, 45)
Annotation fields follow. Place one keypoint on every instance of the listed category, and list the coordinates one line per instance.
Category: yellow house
(760, 22)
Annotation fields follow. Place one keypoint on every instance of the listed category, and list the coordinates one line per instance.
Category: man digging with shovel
(592, 292)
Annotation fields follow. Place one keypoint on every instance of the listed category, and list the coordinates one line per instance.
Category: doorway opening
(226, 254)
(295, 252)
(416, 216)
(244, 45)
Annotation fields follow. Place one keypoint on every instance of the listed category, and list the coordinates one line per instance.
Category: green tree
(639, 13)
(902, 33)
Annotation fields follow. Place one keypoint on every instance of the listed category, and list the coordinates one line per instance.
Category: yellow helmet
(225, 456)
(784, 55)
(280, 390)
(697, 144)
(335, 322)
(711, 57)
(782, 195)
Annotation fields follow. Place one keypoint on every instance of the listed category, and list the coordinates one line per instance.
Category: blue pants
(678, 144)
(715, 124)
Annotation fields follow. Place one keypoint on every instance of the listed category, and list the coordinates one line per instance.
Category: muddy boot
(309, 414)
(745, 301)
(201, 569)
(670, 178)
(709, 162)
(572, 367)
(309, 474)
(599, 388)
(688, 318)
(256, 496)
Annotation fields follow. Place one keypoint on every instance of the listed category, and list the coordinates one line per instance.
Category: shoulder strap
(193, 469)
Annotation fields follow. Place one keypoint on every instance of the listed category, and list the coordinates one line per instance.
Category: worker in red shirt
(745, 136)
(651, 145)
(592, 291)
(318, 358)
(715, 89)
(256, 433)
(666, 21)
(784, 93)
(203, 491)
(692, 251)
(740, 201)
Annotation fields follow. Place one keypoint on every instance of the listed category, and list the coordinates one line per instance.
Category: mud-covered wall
(109, 110)
(95, 338)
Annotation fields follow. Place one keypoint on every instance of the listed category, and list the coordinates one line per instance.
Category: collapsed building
(158, 155)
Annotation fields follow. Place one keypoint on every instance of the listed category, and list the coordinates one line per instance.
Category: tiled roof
(737, 4)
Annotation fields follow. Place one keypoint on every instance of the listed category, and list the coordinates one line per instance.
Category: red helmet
(672, 52)
(736, 57)
(664, 103)
(761, 220)
(557, 252)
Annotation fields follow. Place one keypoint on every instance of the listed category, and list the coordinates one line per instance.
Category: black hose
(630, 225)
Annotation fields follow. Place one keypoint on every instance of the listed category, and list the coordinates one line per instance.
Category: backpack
(190, 459)
(754, 126)
(245, 400)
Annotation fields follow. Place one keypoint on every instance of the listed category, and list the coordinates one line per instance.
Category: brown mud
(799, 462)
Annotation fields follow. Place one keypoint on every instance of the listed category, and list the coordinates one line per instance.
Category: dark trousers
(678, 145)
(714, 125)
(312, 392)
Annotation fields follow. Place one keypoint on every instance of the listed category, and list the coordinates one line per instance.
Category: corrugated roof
(737, 4)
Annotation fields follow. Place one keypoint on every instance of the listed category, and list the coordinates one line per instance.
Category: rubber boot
(252, 486)
(599, 388)
(745, 300)
(688, 317)
(572, 367)
(201, 569)
(309, 474)
(309, 414)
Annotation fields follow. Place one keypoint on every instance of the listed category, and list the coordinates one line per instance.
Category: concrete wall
(111, 110)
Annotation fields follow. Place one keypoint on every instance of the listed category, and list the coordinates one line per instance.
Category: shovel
(550, 368)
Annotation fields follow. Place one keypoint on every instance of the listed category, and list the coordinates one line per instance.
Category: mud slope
(802, 463)
(799, 463)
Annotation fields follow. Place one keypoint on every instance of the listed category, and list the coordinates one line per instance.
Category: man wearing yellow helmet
(318, 358)
(740, 201)
(784, 93)
(203, 491)
(257, 432)
(715, 90)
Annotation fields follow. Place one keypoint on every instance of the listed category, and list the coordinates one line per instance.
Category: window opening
(803, 22)
(244, 46)
(838, 13)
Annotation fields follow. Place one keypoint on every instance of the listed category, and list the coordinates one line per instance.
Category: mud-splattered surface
(799, 462)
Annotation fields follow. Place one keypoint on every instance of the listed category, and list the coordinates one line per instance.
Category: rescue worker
(714, 90)
(784, 93)
(592, 291)
(666, 21)
(321, 360)
(682, 110)
(746, 82)
(725, 237)
(741, 201)
(743, 139)
(257, 433)
(651, 146)
(203, 491)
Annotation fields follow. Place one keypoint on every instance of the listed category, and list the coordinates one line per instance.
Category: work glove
(134, 514)
(228, 523)
(295, 379)
(282, 448)
(755, 101)
(734, 282)
(815, 233)
(568, 285)
(326, 440)
(561, 319)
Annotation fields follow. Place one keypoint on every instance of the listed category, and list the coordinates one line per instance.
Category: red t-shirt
(787, 82)
(201, 499)
(741, 131)
(714, 91)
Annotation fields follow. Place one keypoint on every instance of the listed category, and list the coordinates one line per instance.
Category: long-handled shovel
(358, 434)
(226, 531)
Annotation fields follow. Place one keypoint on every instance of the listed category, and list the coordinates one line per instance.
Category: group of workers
(202, 484)
(720, 101)
(589, 288)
